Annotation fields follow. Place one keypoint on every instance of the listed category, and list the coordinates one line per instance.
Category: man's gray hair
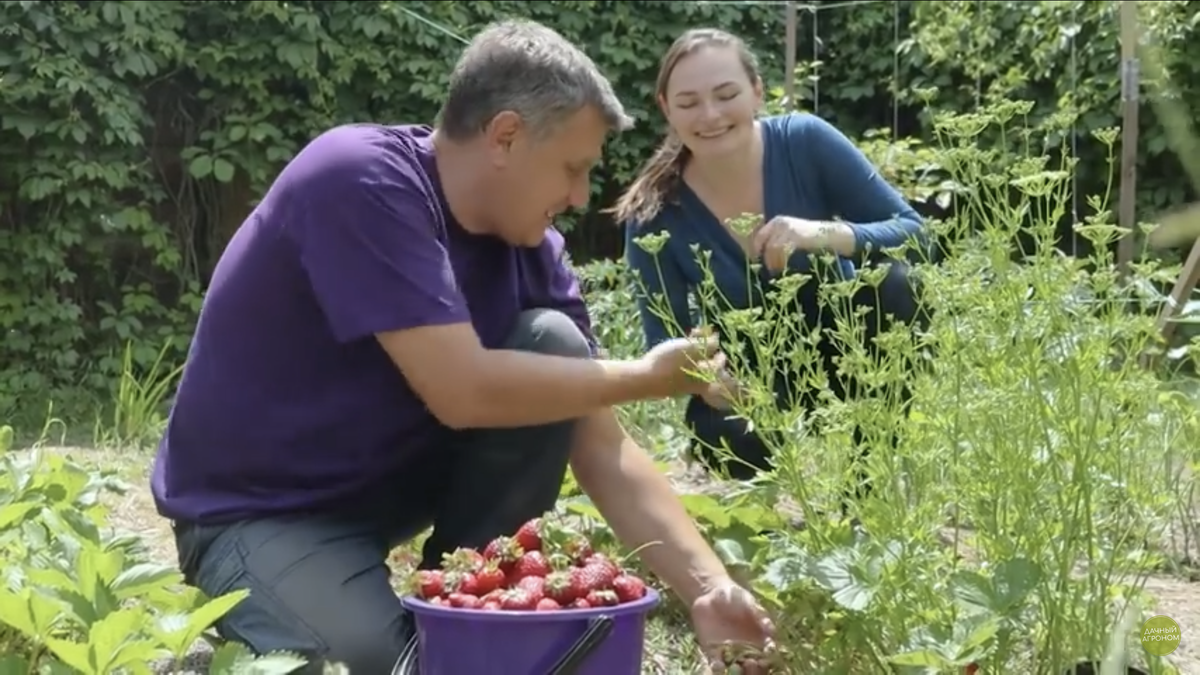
(529, 69)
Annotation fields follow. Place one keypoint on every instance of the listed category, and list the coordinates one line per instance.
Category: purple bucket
(453, 641)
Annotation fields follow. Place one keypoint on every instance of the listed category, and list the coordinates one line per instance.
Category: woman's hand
(782, 236)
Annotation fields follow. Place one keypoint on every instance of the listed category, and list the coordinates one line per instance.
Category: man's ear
(501, 133)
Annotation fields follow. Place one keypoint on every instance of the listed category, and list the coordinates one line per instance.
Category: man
(393, 340)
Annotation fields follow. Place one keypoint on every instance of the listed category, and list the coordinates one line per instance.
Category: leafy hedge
(134, 136)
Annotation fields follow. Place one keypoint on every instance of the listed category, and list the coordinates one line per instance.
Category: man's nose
(580, 193)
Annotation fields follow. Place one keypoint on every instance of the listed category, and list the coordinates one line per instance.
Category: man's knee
(318, 588)
(550, 332)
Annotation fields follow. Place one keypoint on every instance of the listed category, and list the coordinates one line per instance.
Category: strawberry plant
(77, 597)
(1032, 487)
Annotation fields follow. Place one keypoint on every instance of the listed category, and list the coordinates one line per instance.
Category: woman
(816, 192)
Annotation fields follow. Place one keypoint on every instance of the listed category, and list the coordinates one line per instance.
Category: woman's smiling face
(710, 100)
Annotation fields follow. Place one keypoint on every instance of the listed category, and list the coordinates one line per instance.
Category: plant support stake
(1130, 86)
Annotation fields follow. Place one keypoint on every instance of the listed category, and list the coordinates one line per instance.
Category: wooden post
(789, 59)
(1130, 102)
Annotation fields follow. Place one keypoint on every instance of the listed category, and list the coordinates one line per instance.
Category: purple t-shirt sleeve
(549, 282)
(369, 236)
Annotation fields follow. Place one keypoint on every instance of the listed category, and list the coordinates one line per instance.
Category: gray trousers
(318, 582)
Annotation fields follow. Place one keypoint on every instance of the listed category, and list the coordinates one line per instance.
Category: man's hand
(782, 236)
(733, 628)
(722, 393)
(685, 365)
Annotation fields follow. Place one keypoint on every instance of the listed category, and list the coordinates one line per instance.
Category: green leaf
(222, 170)
(201, 167)
(12, 664)
(142, 578)
(73, 654)
(730, 552)
(210, 612)
(925, 658)
(115, 641)
(12, 515)
(835, 573)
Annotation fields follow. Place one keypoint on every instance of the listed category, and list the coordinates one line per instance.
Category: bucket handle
(593, 636)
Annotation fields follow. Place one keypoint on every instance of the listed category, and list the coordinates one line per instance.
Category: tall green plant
(1027, 498)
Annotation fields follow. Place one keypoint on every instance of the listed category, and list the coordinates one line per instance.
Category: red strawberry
(593, 578)
(547, 605)
(577, 547)
(600, 598)
(429, 583)
(532, 564)
(517, 599)
(535, 585)
(462, 560)
(490, 605)
(467, 582)
(559, 587)
(580, 603)
(505, 551)
(529, 535)
(489, 578)
(438, 600)
(605, 570)
(629, 588)
(464, 600)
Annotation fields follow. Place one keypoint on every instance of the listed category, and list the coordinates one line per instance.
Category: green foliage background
(134, 136)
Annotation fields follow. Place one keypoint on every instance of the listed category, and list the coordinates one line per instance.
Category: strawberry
(490, 605)
(437, 600)
(577, 547)
(462, 560)
(601, 598)
(504, 551)
(559, 587)
(489, 578)
(517, 599)
(532, 564)
(580, 603)
(536, 586)
(468, 582)
(529, 535)
(593, 578)
(605, 569)
(547, 605)
(629, 588)
(429, 583)
(464, 600)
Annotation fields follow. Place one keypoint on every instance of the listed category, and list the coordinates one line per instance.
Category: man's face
(536, 179)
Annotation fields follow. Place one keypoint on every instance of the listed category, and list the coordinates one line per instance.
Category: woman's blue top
(810, 170)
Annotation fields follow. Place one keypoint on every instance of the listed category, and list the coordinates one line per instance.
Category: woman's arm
(661, 287)
(877, 216)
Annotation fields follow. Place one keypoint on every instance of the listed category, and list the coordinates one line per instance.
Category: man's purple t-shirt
(287, 401)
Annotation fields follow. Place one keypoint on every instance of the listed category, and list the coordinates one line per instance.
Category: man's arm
(367, 235)
(639, 504)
